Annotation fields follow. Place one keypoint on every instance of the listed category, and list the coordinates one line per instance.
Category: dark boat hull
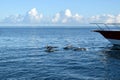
(112, 36)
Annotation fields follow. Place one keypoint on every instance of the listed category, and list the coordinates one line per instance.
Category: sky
(58, 12)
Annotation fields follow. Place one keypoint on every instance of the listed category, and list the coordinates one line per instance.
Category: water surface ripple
(23, 56)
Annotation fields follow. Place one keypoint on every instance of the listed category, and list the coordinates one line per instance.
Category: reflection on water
(113, 52)
(112, 62)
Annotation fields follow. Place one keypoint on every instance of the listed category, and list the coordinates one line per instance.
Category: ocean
(24, 55)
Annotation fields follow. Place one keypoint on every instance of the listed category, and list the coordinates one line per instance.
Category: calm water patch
(23, 55)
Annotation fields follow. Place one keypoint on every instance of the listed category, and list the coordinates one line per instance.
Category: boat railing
(107, 26)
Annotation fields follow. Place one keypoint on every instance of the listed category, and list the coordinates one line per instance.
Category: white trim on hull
(114, 41)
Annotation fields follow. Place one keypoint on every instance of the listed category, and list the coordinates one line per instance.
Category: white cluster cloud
(13, 19)
(118, 18)
(33, 16)
(67, 17)
(60, 18)
(56, 18)
(68, 13)
(105, 18)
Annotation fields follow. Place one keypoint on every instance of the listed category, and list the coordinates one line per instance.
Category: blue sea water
(23, 55)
